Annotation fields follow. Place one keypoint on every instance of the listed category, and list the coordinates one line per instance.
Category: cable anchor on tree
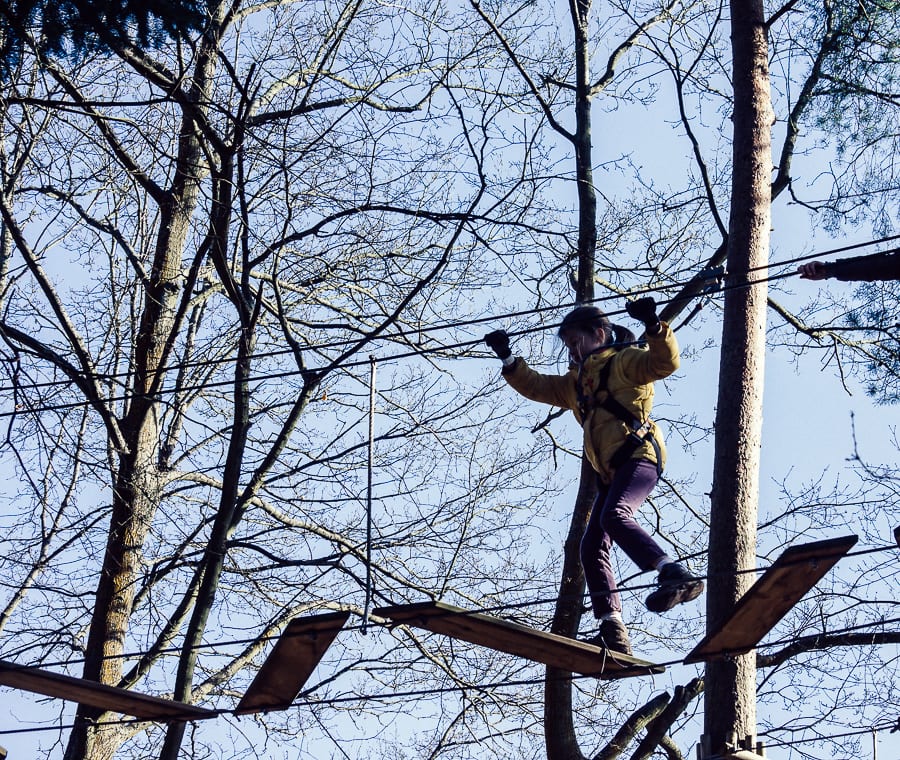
(711, 277)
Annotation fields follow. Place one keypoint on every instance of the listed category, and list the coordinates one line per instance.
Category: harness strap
(641, 432)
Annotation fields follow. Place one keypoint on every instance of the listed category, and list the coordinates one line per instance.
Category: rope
(484, 687)
(446, 326)
(369, 469)
(422, 351)
(822, 737)
(505, 608)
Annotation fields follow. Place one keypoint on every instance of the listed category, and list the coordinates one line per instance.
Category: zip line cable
(442, 349)
(326, 702)
(484, 687)
(822, 738)
(449, 690)
(837, 632)
(329, 701)
(833, 251)
(459, 323)
(422, 351)
(363, 625)
(494, 318)
(495, 608)
(349, 342)
(462, 688)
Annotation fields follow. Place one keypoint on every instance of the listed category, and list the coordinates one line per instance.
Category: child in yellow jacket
(609, 389)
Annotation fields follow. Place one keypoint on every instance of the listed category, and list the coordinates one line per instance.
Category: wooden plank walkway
(505, 636)
(98, 695)
(794, 573)
(297, 652)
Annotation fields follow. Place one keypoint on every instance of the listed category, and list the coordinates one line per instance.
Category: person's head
(586, 329)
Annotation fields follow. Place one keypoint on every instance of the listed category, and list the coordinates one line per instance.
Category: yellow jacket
(630, 382)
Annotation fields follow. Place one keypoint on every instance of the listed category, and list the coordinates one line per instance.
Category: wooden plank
(794, 573)
(98, 695)
(506, 636)
(297, 652)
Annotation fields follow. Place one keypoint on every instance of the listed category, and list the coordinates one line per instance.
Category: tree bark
(559, 729)
(137, 487)
(584, 168)
(559, 734)
(730, 704)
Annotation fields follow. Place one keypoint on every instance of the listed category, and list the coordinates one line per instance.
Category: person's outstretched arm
(876, 266)
(556, 390)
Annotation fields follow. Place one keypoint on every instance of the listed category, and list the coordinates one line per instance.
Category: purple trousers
(612, 521)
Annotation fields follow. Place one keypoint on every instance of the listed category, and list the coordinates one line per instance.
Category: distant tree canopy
(875, 321)
(69, 28)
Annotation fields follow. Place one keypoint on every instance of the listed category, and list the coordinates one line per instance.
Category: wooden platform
(297, 652)
(794, 573)
(98, 695)
(505, 636)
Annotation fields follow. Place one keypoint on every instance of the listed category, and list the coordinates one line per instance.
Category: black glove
(643, 310)
(498, 341)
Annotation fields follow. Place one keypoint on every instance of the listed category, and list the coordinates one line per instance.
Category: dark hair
(590, 318)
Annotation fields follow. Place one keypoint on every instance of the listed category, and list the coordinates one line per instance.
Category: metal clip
(712, 279)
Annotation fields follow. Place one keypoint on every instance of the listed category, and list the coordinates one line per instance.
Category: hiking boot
(613, 636)
(675, 585)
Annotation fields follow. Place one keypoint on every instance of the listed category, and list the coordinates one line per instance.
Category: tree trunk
(135, 499)
(730, 703)
(559, 730)
(137, 487)
(584, 167)
(210, 568)
(559, 734)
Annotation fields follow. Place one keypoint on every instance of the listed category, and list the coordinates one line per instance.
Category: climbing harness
(640, 432)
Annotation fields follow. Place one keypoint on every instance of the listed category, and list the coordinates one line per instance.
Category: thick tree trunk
(136, 493)
(137, 486)
(559, 734)
(584, 167)
(730, 695)
(559, 730)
